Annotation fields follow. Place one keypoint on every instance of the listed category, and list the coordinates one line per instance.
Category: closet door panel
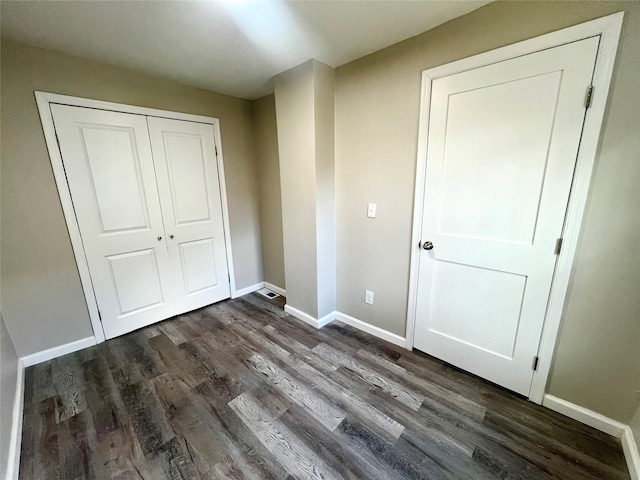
(198, 263)
(186, 166)
(111, 178)
(187, 173)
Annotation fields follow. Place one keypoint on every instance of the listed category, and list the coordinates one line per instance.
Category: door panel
(111, 177)
(186, 166)
(185, 161)
(494, 172)
(457, 289)
(136, 279)
(116, 178)
(502, 145)
(198, 265)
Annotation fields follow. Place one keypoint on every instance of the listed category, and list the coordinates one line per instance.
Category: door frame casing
(608, 28)
(44, 101)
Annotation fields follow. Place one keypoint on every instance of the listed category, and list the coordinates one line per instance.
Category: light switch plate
(371, 210)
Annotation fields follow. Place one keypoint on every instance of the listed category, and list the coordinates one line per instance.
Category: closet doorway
(144, 200)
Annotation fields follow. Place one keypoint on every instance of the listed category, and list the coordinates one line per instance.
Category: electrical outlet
(368, 297)
(371, 210)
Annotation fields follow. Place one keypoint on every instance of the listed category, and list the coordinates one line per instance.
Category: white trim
(43, 101)
(608, 28)
(602, 423)
(584, 415)
(306, 318)
(58, 351)
(247, 290)
(418, 209)
(371, 329)
(15, 442)
(327, 319)
(274, 288)
(347, 319)
(122, 108)
(225, 207)
(630, 448)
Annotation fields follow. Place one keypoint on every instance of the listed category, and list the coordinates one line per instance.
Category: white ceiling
(233, 47)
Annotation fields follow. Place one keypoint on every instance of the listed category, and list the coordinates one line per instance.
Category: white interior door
(110, 173)
(187, 171)
(502, 145)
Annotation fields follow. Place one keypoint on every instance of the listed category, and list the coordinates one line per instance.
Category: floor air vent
(265, 292)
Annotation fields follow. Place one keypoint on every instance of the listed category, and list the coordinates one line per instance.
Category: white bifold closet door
(146, 195)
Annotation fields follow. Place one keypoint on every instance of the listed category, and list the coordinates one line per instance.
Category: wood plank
(49, 442)
(172, 331)
(315, 404)
(68, 379)
(147, 417)
(403, 394)
(290, 451)
(448, 427)
(250, 454)
(343, 457)
(175, 461)
(395, 464)
(340, 396)
(423, 386)
(343, 396)
(193, 425)
(299, 349)
(170, 354)
(107, 411)
(38, 383)
(121, 454)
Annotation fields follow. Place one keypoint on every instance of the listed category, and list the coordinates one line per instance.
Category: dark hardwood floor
(242, 390)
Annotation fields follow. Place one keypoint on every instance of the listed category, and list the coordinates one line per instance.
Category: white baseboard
(306, 318)
(274, 288)
(371, 329)
(58, 351)
(13, 462)
(327, 319)
(344, 318)
(630, 448)
(602, 423)
(247, 290)
(584, 415)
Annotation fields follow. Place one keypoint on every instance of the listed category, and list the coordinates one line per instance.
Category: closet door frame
(44, 101)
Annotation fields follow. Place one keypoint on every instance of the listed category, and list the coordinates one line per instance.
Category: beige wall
(296, 144)
(42, 299)
(8, 374)
(305, 117)
(323, 92)
(635, 427)
(376, 109)
(266, 134)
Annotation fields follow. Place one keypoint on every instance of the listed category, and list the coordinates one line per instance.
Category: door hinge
(558, 246)
(99, 315)
(534, 365)
(216, 147)
(588, 96)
